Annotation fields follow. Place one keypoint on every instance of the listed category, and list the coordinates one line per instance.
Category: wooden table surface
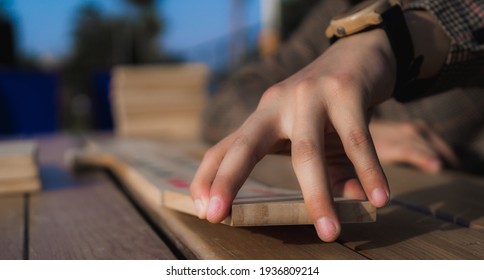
(90, 216)
(74, 217)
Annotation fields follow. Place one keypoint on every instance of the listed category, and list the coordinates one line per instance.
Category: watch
(388, 15)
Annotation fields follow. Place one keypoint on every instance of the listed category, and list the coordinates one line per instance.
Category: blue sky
(43, 26)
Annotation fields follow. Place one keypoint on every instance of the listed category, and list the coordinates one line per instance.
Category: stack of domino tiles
(159, 101)
(19, 170)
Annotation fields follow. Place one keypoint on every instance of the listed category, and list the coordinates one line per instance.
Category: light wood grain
(18, 172)
(18, 166)
(12, 227)
(165, 172)
(401, 233)
(28, 185)
(198, 239)
(170, 76)
(159, 101)
(451, 196)
(17, 148)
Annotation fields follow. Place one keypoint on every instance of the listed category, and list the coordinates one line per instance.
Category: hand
(413, 143)
(319, 116)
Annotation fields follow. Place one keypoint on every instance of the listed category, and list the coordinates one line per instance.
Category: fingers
(439, 145)
(308, 163)
(411, 142)
(418, 154)
(202, 181)
(350, 124)
(342, 175)
(226, 167)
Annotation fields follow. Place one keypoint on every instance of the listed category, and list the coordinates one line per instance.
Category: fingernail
(379, 197)
(214, 206)
(199, 207)
(327, 229)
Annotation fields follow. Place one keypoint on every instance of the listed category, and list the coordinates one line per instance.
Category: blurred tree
(101, 42)
(7, 38)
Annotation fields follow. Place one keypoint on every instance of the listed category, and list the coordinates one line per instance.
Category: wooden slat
(164, 100)
(200, 239)
(12, 227)
(168, 76)
(164, 171)
(401, 233)
(91, 220)
(454, 197)
(451, 196)
(20, 186)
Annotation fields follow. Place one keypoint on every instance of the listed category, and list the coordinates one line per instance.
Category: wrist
(373, 60)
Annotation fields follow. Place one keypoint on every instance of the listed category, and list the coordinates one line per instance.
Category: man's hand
(319, 116)
(411, 142)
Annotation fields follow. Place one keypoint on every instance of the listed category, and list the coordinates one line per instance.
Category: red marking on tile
(261, 191)
(179, 183)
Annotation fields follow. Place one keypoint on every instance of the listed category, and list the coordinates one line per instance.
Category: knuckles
(358, 139)
(304, 150)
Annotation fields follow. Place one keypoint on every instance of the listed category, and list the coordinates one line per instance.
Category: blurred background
(56, 56)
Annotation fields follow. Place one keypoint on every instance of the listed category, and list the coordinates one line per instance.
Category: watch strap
(408, 66)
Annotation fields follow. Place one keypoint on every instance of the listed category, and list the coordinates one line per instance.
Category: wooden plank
(176, 76)
(22, 151)
(20, 186)
(18, 161)
(198, 239)
(401, 233)
(275, 210)
(13, 172)
(164, 100)
(12, 227)
(452, 196)
(91, 220)
(165, 172)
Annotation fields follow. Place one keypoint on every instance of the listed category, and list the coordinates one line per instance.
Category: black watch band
(408, 66)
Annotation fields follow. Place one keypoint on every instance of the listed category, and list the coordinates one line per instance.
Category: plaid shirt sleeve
(463, 21)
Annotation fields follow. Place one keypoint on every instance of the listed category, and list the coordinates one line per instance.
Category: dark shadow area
(296, 234)
(436, 218)
(460, 202)
(394, 225)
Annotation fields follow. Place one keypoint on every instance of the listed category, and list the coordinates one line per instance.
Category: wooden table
(74, 217)
(89, 216)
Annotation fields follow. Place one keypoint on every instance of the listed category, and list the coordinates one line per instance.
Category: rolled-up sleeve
(463, 21)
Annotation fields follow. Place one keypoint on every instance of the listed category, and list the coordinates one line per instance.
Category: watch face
(357, 8)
